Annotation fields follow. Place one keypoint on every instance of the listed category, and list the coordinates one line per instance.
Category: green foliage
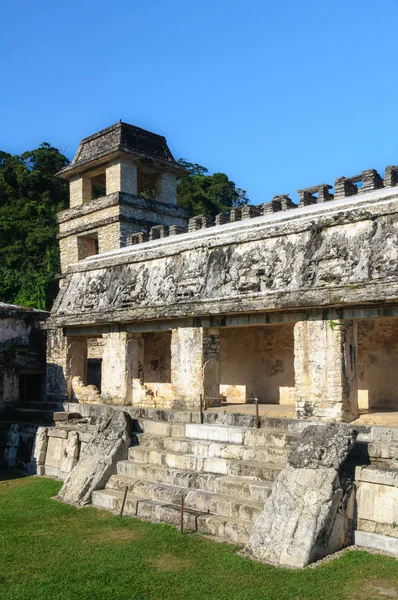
(30, 198)
(203, 194)
(53, 551)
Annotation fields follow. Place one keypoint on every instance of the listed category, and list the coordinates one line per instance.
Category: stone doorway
(378, 364)
(257, 361)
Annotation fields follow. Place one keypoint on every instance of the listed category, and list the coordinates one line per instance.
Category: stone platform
(224, 468)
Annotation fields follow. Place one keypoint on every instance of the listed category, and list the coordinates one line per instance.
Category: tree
(30, 198)
(203, 194)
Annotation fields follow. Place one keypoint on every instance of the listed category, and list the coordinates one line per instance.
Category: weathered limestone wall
(325, 368)
(112, 218)
(95, 347)
(377, 508)
(22, 351)
(86, 222)
(147, 215)
(66, 358)
(377, 363)
(157, 367)
(14, 330)
(258, 361)
(56, 450)
(68, 252)
(326, 255)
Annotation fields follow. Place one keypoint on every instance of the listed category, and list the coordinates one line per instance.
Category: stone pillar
(325, 365)
(80, 191)
(121, 176)
(195, 366)
(166, 188)
(66, 358)
(136, 376)
(115, 367)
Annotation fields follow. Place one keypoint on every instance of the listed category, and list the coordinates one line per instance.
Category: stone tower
(122, 184)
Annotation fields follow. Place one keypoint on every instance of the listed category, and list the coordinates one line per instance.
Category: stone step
(231, 530)
(383, 450)
(242, 487)
(249, 436)
(162, 428)
(276, 438)
(207, 448)
(199, 464)
(216, 433)
(27, 415)
(53, 406)
(213, 502)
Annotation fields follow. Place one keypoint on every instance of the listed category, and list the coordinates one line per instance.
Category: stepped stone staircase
(38, 413)
(224, 472)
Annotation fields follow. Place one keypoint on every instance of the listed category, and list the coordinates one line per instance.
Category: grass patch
(52, 551)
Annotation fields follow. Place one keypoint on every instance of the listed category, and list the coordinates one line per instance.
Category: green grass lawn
(51, 551)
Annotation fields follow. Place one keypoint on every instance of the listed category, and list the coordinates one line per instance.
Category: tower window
(98, 186)
(146, 185)
(87, 245)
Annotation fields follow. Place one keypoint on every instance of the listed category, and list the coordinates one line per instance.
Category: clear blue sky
(279, 94)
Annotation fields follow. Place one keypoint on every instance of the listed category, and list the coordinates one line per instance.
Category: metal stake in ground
(126, 489)
(182, 515)
(257, 415)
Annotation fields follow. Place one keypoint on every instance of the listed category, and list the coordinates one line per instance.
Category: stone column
(325, 365)
(66, 358)
(166, 188)
(121, 176)
(136, 375)
(115, 367)
(80, 191)
(195, 366)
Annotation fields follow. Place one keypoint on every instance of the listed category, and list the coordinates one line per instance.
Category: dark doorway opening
(94, 368)
(31, 388)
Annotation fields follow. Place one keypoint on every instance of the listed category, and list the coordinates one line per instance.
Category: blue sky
(277, 94)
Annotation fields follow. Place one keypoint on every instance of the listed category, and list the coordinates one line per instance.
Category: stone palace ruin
(185, 323)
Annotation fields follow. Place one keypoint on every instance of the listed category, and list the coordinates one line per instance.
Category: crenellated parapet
(344, 187)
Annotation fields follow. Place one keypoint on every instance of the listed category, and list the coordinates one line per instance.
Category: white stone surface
(216, 433)
(376, 541)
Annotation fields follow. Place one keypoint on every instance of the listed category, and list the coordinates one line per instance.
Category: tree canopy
(203, 194)
(30, 198)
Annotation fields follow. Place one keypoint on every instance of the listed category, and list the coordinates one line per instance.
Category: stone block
(55, 452)
(64, 417)
(216, 433)
(57, 432)
(157, 427)
(376, 541)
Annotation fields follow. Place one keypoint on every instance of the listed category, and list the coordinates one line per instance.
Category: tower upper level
(123, 158)
(123, 181)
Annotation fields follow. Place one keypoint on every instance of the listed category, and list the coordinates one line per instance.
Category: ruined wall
(315, 257)
(95, 347)
(66, 358)
(22, 352)
(257, 360)
(378, 363)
